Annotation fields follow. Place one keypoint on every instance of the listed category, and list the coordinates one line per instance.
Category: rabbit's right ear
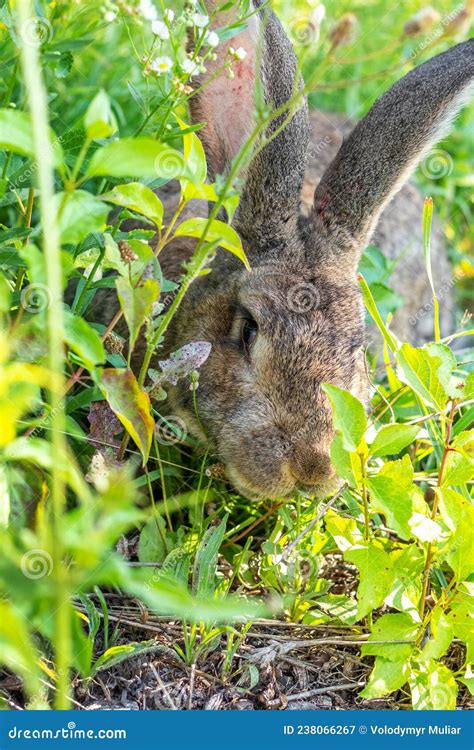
(226, 107)
(385, 147)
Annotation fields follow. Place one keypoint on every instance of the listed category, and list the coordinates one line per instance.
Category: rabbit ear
(385, 147)
(272, 182)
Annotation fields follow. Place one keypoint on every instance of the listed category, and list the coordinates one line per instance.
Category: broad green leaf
(408, 563)
(376, 575)
(113, 259)
(16, 135)
(468, 679)
(433, 688)
(218, 232)
(138, 157)
(80, 213)
(38, 452)
(205, 563)
(469, 386)
(84, 340)
(346, 464)
(193, 152)
(391, 493)
(441, 636)
(461, 617)
(392, 439)
(422, 372)
(99, 120)
(17, 649)
(136, 303)
(344, 531)
(152, 543)
(139, 198)
(459, 468)
(391, 629)
(458, 515)
(386, 677)
(348, 415)
(131, 405)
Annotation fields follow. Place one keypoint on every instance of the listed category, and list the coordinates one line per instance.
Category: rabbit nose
(310, 468)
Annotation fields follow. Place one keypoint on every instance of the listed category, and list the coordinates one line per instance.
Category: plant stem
(37, 100)
(434, 510)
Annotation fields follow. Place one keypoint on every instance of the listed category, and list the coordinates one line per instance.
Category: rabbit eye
(248, 333)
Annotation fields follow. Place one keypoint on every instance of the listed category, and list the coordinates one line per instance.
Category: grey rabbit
(296, 320)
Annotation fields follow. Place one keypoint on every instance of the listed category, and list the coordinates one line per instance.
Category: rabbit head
(294, 321)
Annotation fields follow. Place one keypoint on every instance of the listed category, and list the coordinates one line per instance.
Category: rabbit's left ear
(385, 147)
(269, 203)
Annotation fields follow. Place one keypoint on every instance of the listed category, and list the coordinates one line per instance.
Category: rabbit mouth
(286, 487)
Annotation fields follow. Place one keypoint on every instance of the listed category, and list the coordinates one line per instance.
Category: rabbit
(296, 320)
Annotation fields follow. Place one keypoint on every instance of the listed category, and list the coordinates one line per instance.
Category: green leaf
(469, 386)
(421, 371)
(468, 679)
(376, 575)
(458, 514)
(99, 120)
(346, 464)
(17, 648)
(344, 531)
(138, 157)
(461, 618)
(386, 677)
(139, 198)
(5, 502)
(16, 135)
(390, 629)
(433, 688)
(393, 438)
(459, 468)
(84, 340)
(218, 231)
(193, 153)
(5, 295)
(152, 542)
(391, 494)
(369, 302)
(349, 416)
(205, 563)
(131, 405)
(80, 213)
(136, 303)
(441, 636)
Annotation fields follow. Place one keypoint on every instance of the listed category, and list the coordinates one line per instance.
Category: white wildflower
(240, 53)
(211, 39)
(162, 64)
(189, 67)
(169, 15)
(110, 16)
(148, 10)
(200, 20)
(160, 29)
